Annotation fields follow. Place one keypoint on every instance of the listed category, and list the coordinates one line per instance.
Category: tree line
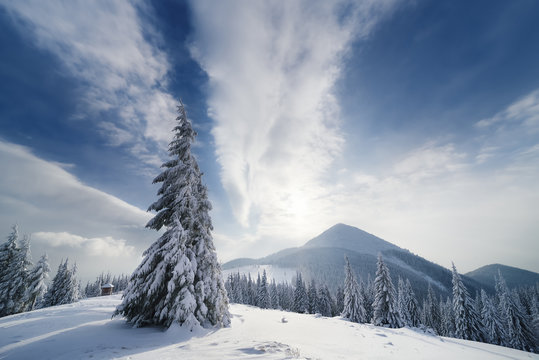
(509, 317)
(23, 285)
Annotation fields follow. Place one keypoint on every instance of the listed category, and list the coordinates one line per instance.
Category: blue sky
(417, 121)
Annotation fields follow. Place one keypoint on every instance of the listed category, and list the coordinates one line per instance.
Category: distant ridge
(322, 259)
(514, 277)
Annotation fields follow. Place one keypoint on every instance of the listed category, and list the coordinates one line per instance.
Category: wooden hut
(107, 289)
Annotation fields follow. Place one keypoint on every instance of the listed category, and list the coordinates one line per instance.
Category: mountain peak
(351, 238)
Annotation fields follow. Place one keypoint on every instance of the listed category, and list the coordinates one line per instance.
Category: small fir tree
(313, 298)
(36, 282)
(467, 322)
(264, 301)
(492, 322)
(64, 288)
(301, 300)
(325, 302)
(353, 301)
(518, 332)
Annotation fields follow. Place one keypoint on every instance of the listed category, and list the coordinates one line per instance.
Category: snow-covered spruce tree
(467, 322)
(384, 305)
(312, 295)
(274, 295)
(411, 304)
(179, 279)
(432, 311)
(325, 302)
(263, 298)
(518, 333)
(14, 267)
(36, 282)
(367, 291)
(64, 288)
(353, 301)
(339, 301)
(401, 301)
(447, 327)
(301, 301)
(492, 322)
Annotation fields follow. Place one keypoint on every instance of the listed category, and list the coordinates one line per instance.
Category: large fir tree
(179, 280)
(385, 302)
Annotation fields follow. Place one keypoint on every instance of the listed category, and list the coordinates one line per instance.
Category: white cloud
(523, 112)
(99, 246)
(102, 44)
(46, 199)
(272, 68)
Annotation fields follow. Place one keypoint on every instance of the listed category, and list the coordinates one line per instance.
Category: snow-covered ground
(281, 275)
(85, 330)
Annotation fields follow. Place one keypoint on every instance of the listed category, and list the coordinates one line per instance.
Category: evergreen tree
(407, 304)
(448, 322)
(412, 307)
(36, 282)
(384, 305)
(251, 292)
(64, 288)
(313, 298)
(301, 301)
(492, 322)
(518, 332)
(274, 295)
(179, 279)
(367, 292)
(353, 301)
(401, 302)
(15, 264)
(432, 311)
(325, 302)
(467, 322)
(264, 301)
(339, 301)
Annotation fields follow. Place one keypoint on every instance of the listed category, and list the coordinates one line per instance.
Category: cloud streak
(55, 205)
(272, 68)
(99, 246)
(108, 48)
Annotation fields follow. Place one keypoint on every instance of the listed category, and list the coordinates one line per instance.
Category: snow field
(85, 330)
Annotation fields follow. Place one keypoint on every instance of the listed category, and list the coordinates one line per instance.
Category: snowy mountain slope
(322, 259)
(84, 330)
(514, 277)
(351, 238)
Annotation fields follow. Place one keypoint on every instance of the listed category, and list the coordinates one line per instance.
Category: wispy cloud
(107, 47)
(44, 198)
(524, 112)
(98, 246)
(272, 68)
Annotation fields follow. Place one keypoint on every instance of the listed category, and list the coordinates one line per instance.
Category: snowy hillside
(84, 330)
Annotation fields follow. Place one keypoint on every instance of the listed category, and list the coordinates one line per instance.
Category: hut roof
(107, 286)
